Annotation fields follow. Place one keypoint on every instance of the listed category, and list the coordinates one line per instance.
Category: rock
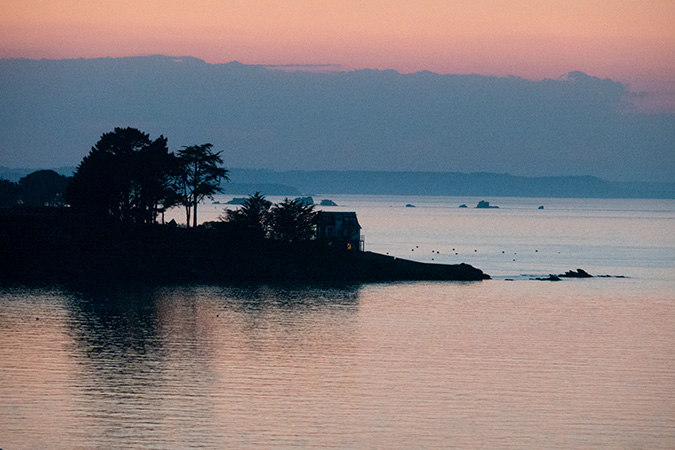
(409, 205)
(485, 205)
(551, 277)
(326, 202)
(541, 207)
(305, 200)
(463, 206)
(579, 273)
(237, 201)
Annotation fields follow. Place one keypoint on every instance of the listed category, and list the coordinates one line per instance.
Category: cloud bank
(53, 111)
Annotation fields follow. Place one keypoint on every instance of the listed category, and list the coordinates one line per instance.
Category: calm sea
(503, 363)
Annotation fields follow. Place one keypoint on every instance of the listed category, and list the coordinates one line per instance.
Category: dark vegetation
(105, 225)
(129, 177)
(59, 245)
(43, 188)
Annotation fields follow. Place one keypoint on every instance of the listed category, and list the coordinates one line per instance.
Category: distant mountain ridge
(454, 184)
(296, 182)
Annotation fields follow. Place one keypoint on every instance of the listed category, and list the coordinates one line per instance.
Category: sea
(512, 362)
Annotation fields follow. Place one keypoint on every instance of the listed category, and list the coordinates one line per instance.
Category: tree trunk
(194, 213)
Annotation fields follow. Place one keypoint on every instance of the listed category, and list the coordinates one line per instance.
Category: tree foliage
(253, 217)
(292, 221)
(125, 175)
(9, 193)
(199, 176)
(43, 188)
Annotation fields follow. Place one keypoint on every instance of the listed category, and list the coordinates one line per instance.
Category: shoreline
(61, 247)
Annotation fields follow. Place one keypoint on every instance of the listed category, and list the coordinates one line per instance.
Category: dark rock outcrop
(551, 277)
(308, 201)
(579, 273)
(485, 205)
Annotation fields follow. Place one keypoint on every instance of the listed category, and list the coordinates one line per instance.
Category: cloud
(52, 112)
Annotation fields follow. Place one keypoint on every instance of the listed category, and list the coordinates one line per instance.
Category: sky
(53, 111)
(631, 41)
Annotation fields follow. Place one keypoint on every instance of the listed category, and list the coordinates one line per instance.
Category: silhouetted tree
(126, 175)
(43, 188)
(158, 169)
(293, 221)
(9, 193)
(252, 218)
(199, 177)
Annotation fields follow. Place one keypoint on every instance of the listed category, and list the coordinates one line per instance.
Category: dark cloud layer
(52, 112)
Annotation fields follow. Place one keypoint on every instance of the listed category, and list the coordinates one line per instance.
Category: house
(339, 229)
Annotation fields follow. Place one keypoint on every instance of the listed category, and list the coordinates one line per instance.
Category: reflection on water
(579, 364)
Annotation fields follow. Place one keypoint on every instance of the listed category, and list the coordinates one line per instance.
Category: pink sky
(632, 41)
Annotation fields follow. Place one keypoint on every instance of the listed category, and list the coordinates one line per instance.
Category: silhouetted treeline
(126, 176)
(132, 178)
(258, 218)
(42, 188)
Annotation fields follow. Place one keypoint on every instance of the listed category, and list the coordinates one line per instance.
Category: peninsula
(60, 246)
(105, 224)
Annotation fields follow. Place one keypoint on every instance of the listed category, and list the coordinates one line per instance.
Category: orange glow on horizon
(625, 40)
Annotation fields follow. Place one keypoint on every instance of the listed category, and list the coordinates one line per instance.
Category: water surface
(581, 363)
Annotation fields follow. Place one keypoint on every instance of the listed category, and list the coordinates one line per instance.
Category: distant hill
(266, 188)
(295, 182)
(454, 184)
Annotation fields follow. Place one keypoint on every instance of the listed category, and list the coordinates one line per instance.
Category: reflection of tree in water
(117, 322)
(120, 360)
(178, 359)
